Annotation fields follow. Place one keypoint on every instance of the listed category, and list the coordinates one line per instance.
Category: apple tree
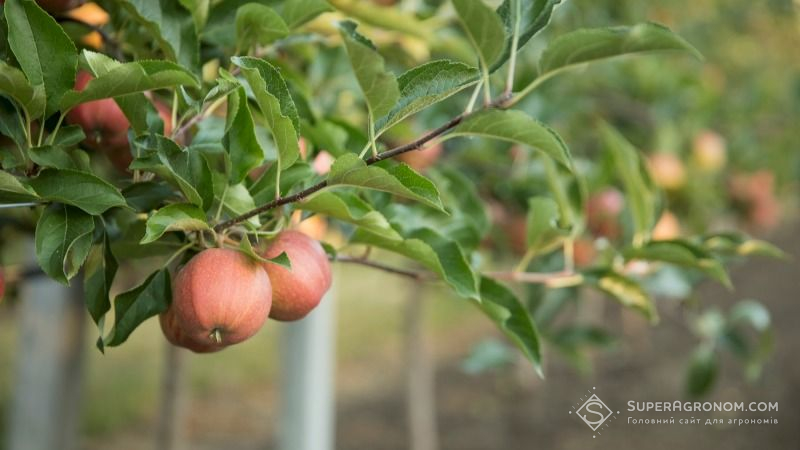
(186, 135)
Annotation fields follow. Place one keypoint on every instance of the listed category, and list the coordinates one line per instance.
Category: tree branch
(501, 102)
(417, 275)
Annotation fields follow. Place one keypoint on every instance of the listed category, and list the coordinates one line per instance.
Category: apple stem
(216, 336)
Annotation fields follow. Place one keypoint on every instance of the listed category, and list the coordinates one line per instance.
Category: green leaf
(226, 84)
(14, 84)
(44, 51)
(52, 156)
(681, 253)
(99, 271)
(741, 244)
(348, 207)
(276, 106)
(176, 217)
(13, 191)
(133, 307)
(172, 28)
(69, 136)
(535, 15)
(484, 29)
(247, 248)
(12, 125)
(702, 371)
(135, 106)
(63, 238)
(624, 290)
(237, 201)
(298, 12)
(131, 78)
(184, 168)
(426, 85)
(263, 190)
(240, 139)
(258, 25)
(518, 127)
(400, 180)
(639, 189)
(379, 86)
(542, 231)
(435, 252)
(146, 196)
(81, 189)
(199, 10)
(128, 245)
(586, 45)
(513, 319)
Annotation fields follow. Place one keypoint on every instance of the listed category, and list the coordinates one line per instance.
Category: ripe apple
(756, 193)
(516, 230)
(602, 213)
(667, 227)
(106, 126)
(297, 291)
(423, 158)
(708, 151)
(322, 162)
(176, 336)
(221, 297)
(583, 252)
(667, 170)
(91, 14)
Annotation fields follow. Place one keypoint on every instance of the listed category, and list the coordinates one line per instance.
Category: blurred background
(721, 139)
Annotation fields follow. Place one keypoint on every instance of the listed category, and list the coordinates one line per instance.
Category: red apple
(602, 213)
(584, 252)
(297, 291)
(220, 297)
(756, 193)
(176, 336)
(322, 162)
(106, 126)
(516, 230)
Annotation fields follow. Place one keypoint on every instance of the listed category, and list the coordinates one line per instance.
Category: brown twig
(417, 275)
(500, 102)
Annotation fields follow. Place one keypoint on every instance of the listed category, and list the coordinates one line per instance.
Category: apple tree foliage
(257, 89)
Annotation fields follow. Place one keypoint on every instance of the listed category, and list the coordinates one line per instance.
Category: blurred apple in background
(92, 14)
(423, 158)
(583, 252)
(709, 152)
(667, 170)
(322, 162)
(602, 213)
(755, 193)
(667, 227)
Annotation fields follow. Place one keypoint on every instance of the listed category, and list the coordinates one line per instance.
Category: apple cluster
(222, 297)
